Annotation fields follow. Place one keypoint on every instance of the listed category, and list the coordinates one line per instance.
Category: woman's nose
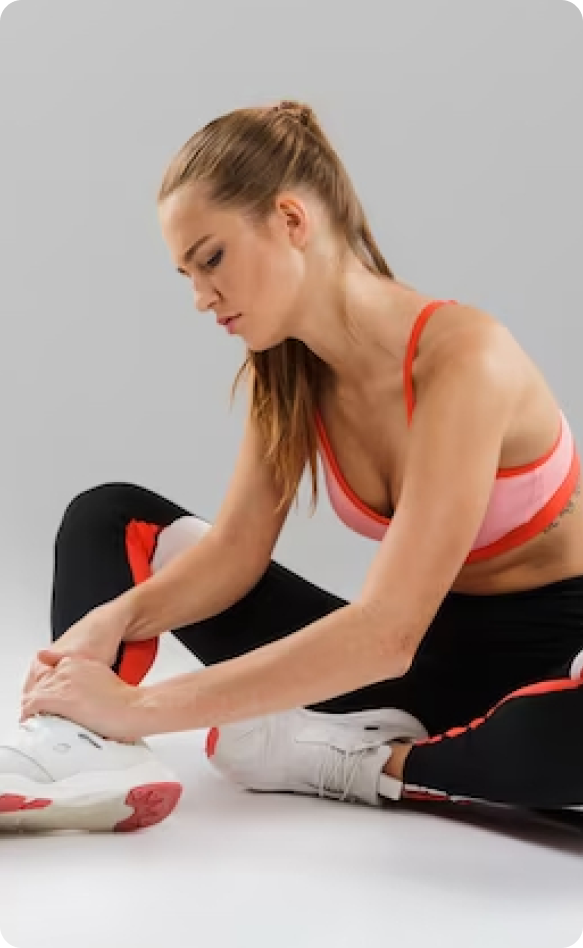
(202, 300)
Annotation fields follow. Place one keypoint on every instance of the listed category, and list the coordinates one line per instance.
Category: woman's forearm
(332, 656)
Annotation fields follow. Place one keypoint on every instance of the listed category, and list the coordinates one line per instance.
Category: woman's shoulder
(456, 333)
(468, 334)
(456, 328)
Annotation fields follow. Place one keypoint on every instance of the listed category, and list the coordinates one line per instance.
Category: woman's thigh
(117, 534)
(477, 650)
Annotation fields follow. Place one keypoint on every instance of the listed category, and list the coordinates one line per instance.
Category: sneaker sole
(94, 802)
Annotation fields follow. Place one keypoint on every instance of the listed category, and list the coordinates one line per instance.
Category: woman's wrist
(136, 619)
(169, 706)
(148, 713)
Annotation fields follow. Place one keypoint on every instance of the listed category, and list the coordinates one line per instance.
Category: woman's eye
(214, 261)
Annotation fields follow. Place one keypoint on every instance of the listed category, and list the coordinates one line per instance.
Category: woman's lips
(230, 322)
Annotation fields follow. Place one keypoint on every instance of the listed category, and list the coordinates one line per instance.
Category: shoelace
(336, 771)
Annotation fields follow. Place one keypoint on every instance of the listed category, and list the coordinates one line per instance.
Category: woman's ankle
(395, 765)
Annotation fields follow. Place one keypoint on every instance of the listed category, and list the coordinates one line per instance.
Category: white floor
(236, 869)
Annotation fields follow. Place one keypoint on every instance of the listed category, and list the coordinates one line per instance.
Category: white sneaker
(56, 775)
(339, 756)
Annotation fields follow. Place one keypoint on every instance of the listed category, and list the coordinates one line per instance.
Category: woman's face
(237, 267)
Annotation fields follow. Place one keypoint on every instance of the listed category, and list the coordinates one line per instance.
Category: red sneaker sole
(9, 803)
(151, 804)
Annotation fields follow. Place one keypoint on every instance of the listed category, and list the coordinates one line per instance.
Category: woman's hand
(87, 692)
(97, 635)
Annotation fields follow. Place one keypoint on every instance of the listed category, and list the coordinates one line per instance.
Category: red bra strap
(418, 328)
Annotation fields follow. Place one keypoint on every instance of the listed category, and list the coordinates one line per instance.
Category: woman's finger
(47, 657)
(27, 710)
(37, 703)
(36, 673)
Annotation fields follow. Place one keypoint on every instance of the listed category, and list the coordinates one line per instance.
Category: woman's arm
(334, 655)
(461, 416)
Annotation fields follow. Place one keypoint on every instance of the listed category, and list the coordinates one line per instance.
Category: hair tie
(302, 114)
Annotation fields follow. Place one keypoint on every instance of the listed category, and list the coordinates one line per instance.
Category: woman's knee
(96, 504)
(96, 500)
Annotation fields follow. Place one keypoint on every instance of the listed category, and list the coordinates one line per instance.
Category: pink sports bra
(524, 500)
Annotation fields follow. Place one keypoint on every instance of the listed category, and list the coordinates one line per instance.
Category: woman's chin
(263, 343)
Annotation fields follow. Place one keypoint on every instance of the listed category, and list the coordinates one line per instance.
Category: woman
(455, 674)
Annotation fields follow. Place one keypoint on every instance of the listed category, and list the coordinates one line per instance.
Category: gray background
(459, 124)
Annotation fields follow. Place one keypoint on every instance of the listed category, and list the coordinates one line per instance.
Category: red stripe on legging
(435, 797)
(541, 688)
(138, 657)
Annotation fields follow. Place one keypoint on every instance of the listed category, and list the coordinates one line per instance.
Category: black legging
(486, 742)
